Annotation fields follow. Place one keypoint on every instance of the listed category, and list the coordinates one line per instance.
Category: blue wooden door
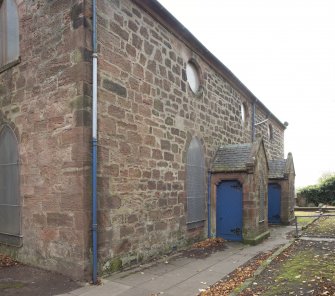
(229, 210)
(274, 205)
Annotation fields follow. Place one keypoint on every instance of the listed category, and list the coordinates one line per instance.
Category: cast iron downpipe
(209, 206)
(94, 145)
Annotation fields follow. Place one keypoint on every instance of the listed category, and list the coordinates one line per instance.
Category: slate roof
(232, 158)
(277, 168)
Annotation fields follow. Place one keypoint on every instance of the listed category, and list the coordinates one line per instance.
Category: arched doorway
(274, 207)
(229, 221)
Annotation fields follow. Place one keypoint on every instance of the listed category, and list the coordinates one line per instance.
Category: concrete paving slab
(170, 279)
(108, 289)
(134, 279)
(183, 276)
(199, 265)
(161, 268)
(225, 267)
(180, 291)
(82, 290)
(199, 281)
(181, 261)
(135, 291)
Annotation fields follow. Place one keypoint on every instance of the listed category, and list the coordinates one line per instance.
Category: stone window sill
(197, 224)
(10, 65)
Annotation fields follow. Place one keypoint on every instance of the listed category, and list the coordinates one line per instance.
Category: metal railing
(321, 213)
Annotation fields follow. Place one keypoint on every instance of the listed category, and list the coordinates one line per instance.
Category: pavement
(184, 276)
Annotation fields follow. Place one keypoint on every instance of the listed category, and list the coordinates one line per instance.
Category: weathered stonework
(146, 130)
(46, 99)
(286, 180)
(252, 176)
(147, 116)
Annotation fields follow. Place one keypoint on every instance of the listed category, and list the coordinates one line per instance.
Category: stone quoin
(165, 107)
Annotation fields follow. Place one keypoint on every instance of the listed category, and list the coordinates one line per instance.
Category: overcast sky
(284, 52)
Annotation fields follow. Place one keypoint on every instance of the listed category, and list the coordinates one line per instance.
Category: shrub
(324, 192)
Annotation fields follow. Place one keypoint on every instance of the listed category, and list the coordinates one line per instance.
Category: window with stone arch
(9, 33)
(244, 113)
(10, 203)
(195, 184)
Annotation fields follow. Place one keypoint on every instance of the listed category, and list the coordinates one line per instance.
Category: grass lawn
(305, 268)
(324, 227)
(303, 221)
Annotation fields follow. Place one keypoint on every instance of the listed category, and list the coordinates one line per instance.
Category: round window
(193, 78)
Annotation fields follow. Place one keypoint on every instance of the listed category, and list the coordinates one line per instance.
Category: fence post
(296, 226)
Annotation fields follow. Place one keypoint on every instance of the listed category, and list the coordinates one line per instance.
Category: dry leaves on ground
(204, 248)
(6, 260)
(209, 243)
(237, 277)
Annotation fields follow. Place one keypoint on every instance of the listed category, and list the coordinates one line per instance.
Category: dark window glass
(10, 206)
(195, 183)
(9, 32)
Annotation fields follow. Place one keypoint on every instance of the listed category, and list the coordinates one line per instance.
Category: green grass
(11, 285)
(325, 226)
(305, 213)
(303, 221)
(304, 267)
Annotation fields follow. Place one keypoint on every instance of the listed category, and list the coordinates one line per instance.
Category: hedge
(324, 192)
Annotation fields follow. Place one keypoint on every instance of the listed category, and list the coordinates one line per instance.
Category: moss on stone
(15, 109)
(254, 240)
(76, 56)
(81, 102)
(113, 265)
(10, 251)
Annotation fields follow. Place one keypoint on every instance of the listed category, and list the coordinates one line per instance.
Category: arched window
(10, 206)
(195, 184)
(244, 113)
(9, 32)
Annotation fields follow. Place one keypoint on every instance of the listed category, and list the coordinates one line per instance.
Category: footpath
(183, 275)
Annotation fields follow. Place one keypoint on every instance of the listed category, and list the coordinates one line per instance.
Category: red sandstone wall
(147, 118)
(47, 98)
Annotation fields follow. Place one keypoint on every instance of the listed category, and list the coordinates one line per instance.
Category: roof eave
(166, 19)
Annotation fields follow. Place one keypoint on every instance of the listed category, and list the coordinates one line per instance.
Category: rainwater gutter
(94, 144)
(209, 205)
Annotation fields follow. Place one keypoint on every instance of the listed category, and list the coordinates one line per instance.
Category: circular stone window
(193, 77)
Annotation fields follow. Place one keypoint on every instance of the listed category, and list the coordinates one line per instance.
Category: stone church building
(175, 131)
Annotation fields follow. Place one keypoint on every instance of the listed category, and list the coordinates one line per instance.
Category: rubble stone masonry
(148, 115)
(46, 99)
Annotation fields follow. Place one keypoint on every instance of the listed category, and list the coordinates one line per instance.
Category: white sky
(284, 52)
